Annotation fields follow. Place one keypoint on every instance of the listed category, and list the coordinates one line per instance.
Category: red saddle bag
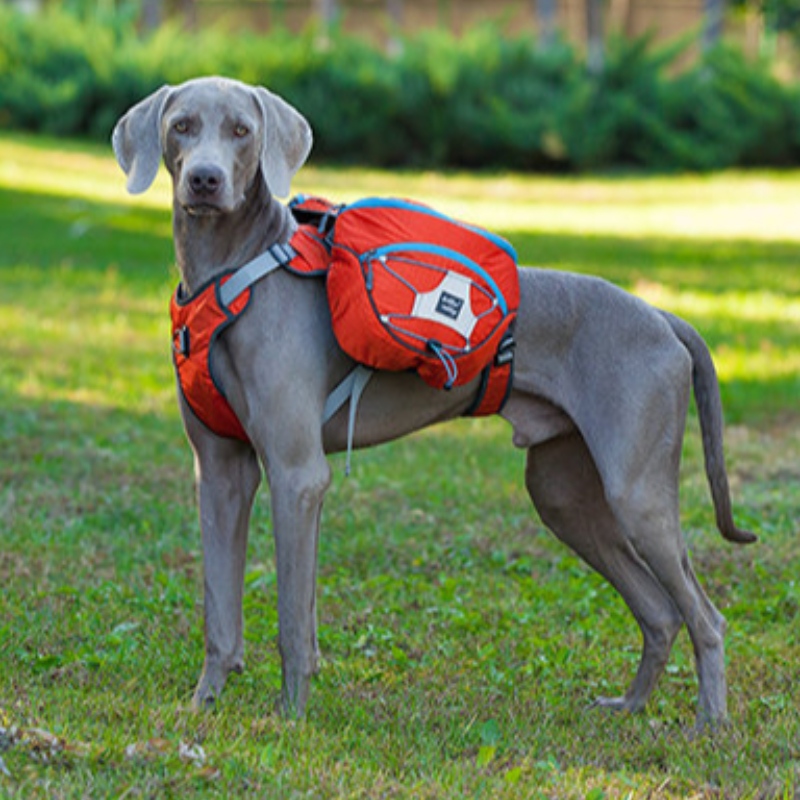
(411, 288)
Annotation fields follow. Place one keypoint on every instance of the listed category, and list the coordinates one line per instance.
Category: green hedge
(482, 101)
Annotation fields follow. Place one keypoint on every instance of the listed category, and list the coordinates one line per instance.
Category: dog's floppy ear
(287, 141)
(137, 140)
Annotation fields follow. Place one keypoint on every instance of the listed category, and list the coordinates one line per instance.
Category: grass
(462, 644)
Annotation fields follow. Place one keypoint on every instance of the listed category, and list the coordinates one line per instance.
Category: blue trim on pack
(408, 205)
(445, 252)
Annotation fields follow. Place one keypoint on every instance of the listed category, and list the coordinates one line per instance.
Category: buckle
(282, 253)
(180, 341)
(505, 351)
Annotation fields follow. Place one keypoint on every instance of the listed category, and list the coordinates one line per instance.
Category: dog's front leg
(227, 475)
(297, 494)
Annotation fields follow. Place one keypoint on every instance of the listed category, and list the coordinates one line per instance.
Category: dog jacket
(402, 294)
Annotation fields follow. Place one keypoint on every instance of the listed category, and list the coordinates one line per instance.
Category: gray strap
(275, 256)
(350, 388)
(341, 394)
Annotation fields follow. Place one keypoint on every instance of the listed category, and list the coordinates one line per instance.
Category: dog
(599, 400)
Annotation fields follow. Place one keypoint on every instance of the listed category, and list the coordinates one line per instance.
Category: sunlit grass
(761, 341)
(462, 645)
(735, 205)
(57, 168)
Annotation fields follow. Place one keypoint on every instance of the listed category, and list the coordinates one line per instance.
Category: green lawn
(462, 644)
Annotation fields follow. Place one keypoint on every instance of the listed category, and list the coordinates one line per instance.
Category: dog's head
(214, 135)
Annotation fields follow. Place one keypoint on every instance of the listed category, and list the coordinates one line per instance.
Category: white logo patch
(448, 304)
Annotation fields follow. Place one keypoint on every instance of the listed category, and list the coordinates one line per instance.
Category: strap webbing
(273, 257)
(350, 388)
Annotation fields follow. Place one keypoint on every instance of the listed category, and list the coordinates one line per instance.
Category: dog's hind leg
(653, 527)
(565, 487)
(642, 495)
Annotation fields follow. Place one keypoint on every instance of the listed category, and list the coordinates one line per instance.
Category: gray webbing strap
(275, 256)
(350, 388)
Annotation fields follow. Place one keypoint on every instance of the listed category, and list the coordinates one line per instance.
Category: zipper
(380, 254)
(408, 205)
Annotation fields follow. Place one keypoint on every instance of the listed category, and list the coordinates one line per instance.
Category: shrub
(49, 73)
(500, 101)
(732, 112)
(485, 100)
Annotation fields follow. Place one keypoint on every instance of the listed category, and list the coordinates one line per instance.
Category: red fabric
(495, 391)
(201, 319)
(313, 256)
(372, 302)
(196, 324)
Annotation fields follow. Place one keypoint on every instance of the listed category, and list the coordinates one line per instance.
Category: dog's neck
(206, 245)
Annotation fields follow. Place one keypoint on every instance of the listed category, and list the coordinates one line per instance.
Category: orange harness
(199, 321)
(197, 324)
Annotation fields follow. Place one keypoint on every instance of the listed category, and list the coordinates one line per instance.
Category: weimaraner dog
(599, 400)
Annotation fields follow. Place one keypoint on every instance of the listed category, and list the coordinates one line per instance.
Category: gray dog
(599, 399)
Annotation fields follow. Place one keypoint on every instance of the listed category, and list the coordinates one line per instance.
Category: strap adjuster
(180, 341)
(505, 351)
(283, 253)
(275, 256)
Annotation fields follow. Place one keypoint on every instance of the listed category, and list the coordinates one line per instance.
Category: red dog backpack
(411, 288)
(408, 288)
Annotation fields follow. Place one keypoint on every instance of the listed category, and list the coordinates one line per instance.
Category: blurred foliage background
(494, 95)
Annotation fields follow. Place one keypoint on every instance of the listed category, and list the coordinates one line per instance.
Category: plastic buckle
(180, 341)
(505, 351)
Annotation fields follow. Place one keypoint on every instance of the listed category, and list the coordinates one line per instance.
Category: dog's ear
(137, 140)
(287, 141)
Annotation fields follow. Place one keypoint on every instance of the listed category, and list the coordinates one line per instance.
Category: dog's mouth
(202, 209)
(207, 207)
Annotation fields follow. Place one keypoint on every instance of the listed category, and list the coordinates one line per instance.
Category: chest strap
(352, 385)
(277, 255)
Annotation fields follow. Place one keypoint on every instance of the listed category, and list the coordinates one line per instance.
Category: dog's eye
(181, 126)
(240, 131)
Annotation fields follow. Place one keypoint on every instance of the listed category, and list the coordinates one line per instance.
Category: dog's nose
(205, 181)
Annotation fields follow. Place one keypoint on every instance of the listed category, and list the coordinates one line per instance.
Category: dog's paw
(617, 704)
(204, 698)
(708, 726)
(204, 704)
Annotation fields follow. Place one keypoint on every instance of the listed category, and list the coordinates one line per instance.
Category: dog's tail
(709, 410)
